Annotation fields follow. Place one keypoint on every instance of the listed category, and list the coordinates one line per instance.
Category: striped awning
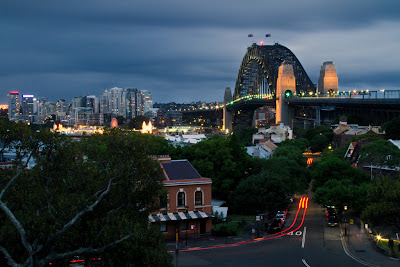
(178, 216)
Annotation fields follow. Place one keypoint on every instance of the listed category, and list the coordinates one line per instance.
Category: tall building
(13, 105)
(147, 102)
(27, 108)
(92, 102)
(328, 80)
(133, 99)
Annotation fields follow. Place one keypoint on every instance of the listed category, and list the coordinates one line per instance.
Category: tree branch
(18, 226)
(10, 260)
(9, 183)
(77, 216)
(81, 251)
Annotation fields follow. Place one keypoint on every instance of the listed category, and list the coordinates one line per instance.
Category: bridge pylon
(285, 88)
(227, 115)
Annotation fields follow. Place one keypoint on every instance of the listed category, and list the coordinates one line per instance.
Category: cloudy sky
(184, 50)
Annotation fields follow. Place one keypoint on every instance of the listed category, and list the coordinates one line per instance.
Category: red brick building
(188, 209)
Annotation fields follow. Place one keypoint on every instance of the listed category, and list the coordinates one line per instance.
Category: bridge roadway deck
(389, 103)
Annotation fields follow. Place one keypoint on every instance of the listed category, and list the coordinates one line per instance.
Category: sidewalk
(359, 245)
(210, 242)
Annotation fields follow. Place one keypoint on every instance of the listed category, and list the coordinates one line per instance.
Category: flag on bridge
(268, 35)
(250, 35)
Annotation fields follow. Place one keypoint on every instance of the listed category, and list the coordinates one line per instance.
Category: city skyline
(186, 52)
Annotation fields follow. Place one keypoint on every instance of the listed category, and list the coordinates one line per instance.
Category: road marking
(305, 263)
(351, 256)
(304, 238)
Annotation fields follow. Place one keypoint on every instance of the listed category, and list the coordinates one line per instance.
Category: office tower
(27, 108)
(147, 102)
(41, 109)
(133, 102)
(92, 102)
(13, 105)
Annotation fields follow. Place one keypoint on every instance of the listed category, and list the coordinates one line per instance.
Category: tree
(81, 198)
(380, 153)
(384, 207)
(340, 193)
(319, 143)
(261, 193)
(245, 134)
(222, 159)
(392, 128)
(332, 168)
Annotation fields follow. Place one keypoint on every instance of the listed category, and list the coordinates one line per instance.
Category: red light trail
(303, 204)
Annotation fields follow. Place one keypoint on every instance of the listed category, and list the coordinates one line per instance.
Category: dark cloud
(185, 50)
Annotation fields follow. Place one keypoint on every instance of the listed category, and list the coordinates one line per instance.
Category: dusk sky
(187, 50)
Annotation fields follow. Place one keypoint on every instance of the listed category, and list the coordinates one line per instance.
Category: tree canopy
(265, 192)
(85, 198)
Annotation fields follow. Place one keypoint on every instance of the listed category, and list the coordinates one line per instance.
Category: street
(302, 243)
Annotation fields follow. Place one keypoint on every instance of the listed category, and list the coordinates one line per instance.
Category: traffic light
(288, 94)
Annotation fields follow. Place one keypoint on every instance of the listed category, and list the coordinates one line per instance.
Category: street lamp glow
(379, 237)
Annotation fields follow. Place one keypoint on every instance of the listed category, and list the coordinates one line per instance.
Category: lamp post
(345, 227)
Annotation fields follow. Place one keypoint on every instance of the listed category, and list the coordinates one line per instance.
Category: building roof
(180, 170)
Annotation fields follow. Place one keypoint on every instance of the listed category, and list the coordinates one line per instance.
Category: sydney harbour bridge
(271, 75)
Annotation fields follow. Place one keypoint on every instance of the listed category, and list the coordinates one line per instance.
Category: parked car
(330, 211)
(332, 221)
(276, 226)
(281, 217)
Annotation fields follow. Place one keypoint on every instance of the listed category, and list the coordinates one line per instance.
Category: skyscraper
(27, 108)
(148, 102)
(13, 105)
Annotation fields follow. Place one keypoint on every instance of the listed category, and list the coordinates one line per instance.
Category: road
(311, 243)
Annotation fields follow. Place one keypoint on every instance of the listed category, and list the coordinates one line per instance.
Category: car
(332, 221)
(330, 211)
(284, 212)
(276, 226)
(280, 217)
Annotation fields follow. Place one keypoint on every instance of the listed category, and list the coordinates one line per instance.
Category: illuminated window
(181, 199)
(198, 198)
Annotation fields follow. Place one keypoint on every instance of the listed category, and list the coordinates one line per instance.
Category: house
(264, 149)
(188, 209)
(276, 133)
(343, 132)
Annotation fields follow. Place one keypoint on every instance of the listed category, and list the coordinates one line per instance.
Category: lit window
(198, 198)
(181, 199)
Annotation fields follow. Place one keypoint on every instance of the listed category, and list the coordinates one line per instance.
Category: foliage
(380, 153)
(245, 134)
(261, 193)
(342, 192)
(222, 159)
(369, 137)
(392, 128)
(319, 143)
(332, 168)
(81, 198)
(300, 143)
(384, 195)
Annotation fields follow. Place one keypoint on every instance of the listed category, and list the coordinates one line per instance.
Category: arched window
(198, 198)
(181, 199)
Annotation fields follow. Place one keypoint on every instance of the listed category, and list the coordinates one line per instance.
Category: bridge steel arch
(258, 72)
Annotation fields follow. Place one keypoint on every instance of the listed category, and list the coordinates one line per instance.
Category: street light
(345, 228)
(379, 237)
